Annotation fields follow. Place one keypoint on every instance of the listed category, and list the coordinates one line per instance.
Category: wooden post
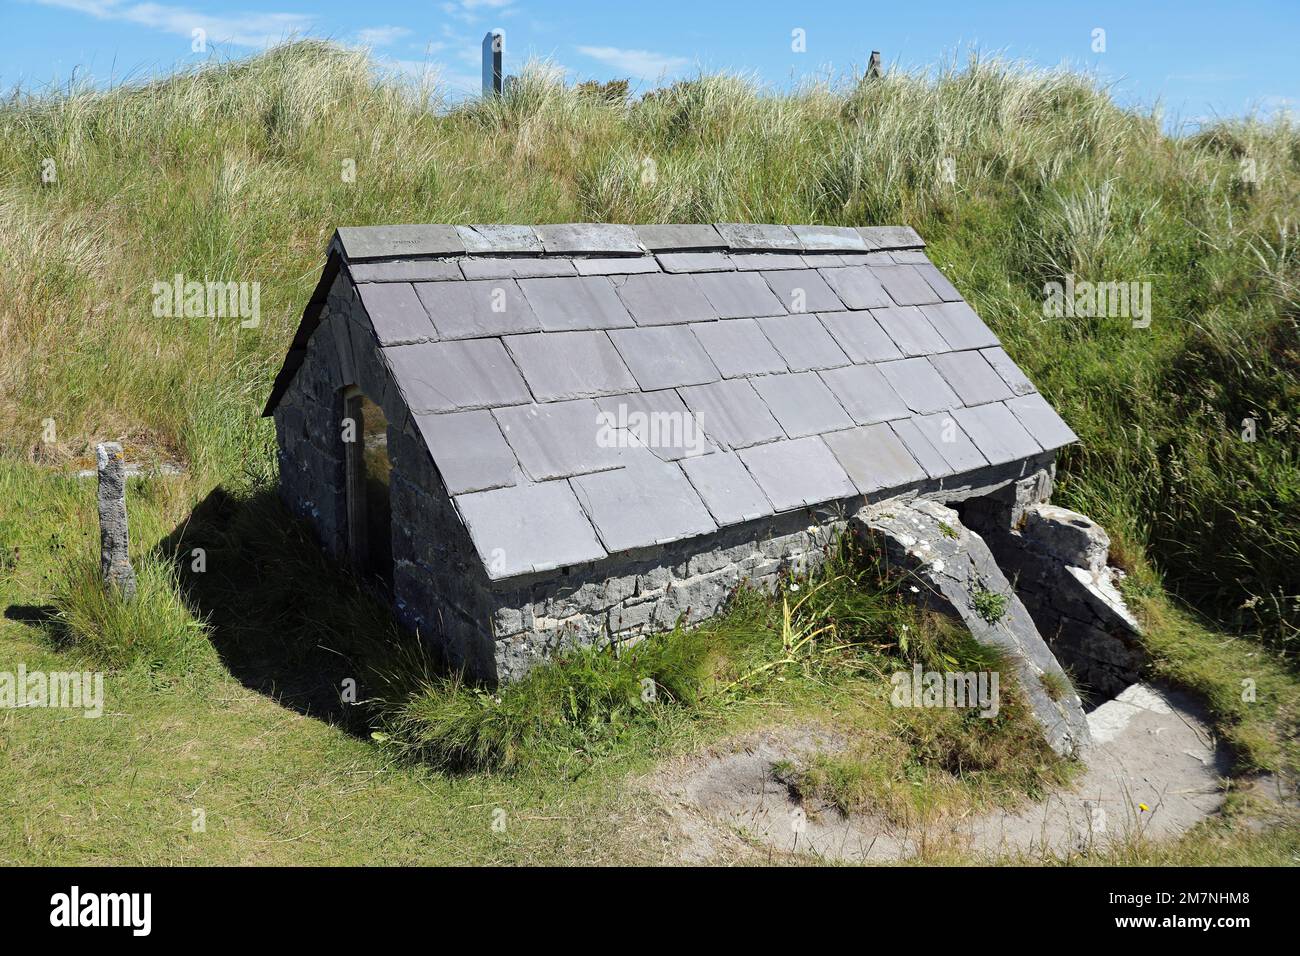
(874, 70)
(114, 563)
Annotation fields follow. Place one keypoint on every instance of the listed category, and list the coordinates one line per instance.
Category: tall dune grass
(234, 172)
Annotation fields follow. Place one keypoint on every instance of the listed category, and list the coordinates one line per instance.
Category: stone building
(534, 436)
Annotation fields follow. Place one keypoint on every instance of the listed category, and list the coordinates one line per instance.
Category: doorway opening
(367, 468)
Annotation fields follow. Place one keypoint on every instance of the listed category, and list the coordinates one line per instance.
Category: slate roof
(818, 362)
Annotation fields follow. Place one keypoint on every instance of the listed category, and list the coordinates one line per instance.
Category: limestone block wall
(1057, 561)
(651, 591)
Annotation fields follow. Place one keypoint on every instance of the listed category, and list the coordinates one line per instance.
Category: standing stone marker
(113, 561)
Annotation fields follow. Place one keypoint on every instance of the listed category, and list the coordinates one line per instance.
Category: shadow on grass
(285, 620)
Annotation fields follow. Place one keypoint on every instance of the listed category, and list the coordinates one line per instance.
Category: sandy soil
(1151, 748)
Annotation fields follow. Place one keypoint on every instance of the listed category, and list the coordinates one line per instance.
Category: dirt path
(1151, 749)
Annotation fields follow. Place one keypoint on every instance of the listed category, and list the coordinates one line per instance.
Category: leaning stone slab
(953, 565)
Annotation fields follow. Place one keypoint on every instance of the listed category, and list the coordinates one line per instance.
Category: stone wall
(1057, 561)
(310, 449)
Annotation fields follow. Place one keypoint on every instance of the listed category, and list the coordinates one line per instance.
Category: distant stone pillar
(114, 563)
(493, 53)
(874, 70)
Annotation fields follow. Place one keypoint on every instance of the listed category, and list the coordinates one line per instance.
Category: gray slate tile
(415, 270)
(647, 503)
(695, 262)
(829, 238)
(874, 458)
(910, 330)
(944, 289)
(860, 336)
(617, 265)
(908, 257)
(528, 527)
(823, 260)
(497, 239)
(802, 403)
(665, 356)
(857, 287)
(997, 433)
(469, 451)
(664, 299)
(960, 327)
(560, 439)
(575, 304)
(971, 377)
(797, 473)
(905, 285)
(738, 347)
(575, 238)
(920, 385)
(946, 435)
(1009, 370)
(396, 313)
(867, 259)
(659, 421)
(759, 261)
(803, 290)
(727, 488)
(470, 310)
(453, 376)
(803, 342)
(563, 365)
(920, 448)
(515, 267)
(739, 295)
(891, 237)
(661, 238)
(865, 394)
(385, 242)
(732, 414)
(757, 236)
(1042, 421)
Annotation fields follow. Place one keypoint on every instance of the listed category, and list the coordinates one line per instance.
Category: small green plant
(990, 605)
(1055, 685)
(947, 530)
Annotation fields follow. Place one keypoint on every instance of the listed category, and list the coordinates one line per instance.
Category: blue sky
(1199, 59)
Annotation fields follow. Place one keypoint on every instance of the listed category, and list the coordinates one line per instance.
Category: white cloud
(381, 36)
(467, 10)
(639, 64)
(240, 29)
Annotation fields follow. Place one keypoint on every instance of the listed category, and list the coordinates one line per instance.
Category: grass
(226, 686)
